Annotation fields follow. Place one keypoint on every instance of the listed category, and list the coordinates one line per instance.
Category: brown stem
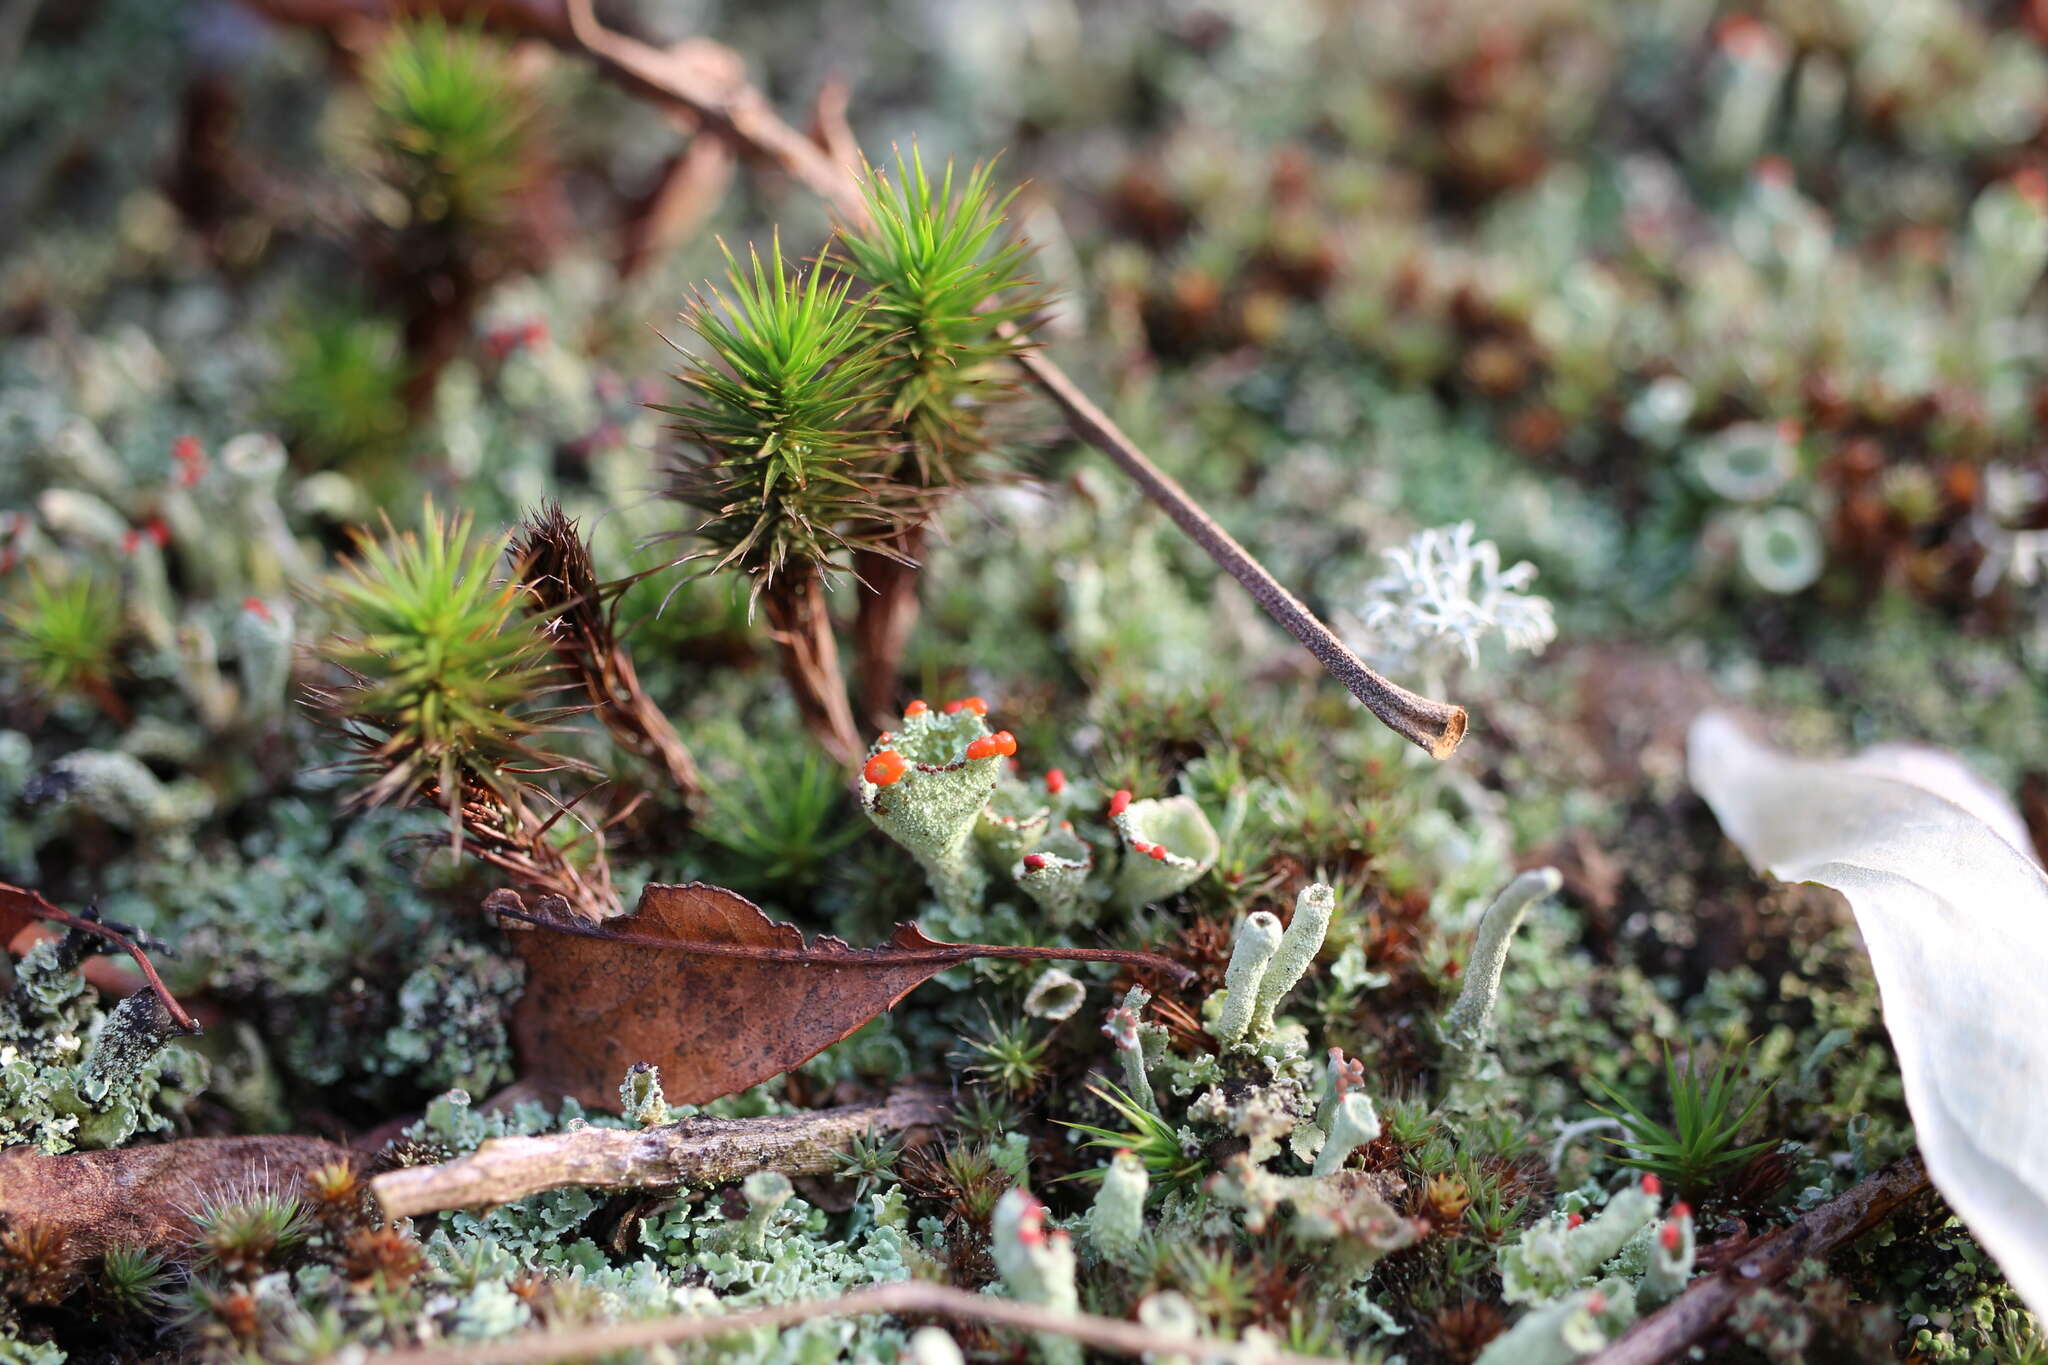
(802, 629)
(903, 1297)
(719, 94)
(1674, 1329)
(828, 952)
(692, 1152)
(18, 905)
(1435, 726)
(690, 189)
(645, 729)
(886, 608)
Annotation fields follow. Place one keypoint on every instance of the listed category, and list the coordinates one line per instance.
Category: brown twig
(556, 569)
(19, 902)
(692, 1152)
(691, 187)
(801, 626)
(1672, 1330)
(718, 94)
(906, 1296)
(1435, 726)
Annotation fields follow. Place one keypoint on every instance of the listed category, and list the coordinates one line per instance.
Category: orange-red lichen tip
(885, 767)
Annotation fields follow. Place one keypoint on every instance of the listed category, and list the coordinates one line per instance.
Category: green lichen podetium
(932, 809)
(1014, 821)
(1055, 874)
(74, 1075)
(1176, 826)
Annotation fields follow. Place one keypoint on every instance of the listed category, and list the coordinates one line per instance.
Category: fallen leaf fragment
(145, 1196)
(699, 982)
(1956, 920)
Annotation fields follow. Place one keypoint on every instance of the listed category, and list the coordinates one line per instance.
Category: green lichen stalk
(1468, 1027)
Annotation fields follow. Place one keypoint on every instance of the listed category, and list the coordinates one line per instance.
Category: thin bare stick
(691, 1152)
(1434, 725)
(690, 189)
(906, 1296)
(1437, 727)
(709, 83)
(1674, 1329)
(19, 901)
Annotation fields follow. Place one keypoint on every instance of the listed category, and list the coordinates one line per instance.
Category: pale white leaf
(1955, 915)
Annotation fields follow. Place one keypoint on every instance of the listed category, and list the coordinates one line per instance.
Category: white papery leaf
(1955, 916)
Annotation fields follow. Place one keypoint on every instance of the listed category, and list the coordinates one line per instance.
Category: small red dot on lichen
(1118, 803)
(1681, 1210)
(1652, 1186)
(1034, 862)
(1157, 851)
(916, 708)
(1670, 1236)
(1572, 1220)
(1055, 781)
(985, 747)
(255, 605)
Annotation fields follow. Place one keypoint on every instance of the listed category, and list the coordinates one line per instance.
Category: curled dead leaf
(704, 985)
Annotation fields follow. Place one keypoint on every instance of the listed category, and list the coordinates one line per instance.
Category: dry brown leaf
(146, 1196)
(702, 984)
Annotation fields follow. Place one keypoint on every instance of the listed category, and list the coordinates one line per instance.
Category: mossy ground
(1344, 278)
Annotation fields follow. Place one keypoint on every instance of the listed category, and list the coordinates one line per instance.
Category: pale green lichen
(1116, 1220)
(641, 1100)
(1562, 1253)
(1355, 1124)
(1137, 1044)
(1468, 1027)
(933, 808)
(1014, 821)
(1037, 1266)
(1257, 940)
(1168, 844)
(75, 1076)
(1298, 948)
(1560, 1332)
(1056, 994)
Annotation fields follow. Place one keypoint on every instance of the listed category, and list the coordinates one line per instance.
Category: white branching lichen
(1443, 596)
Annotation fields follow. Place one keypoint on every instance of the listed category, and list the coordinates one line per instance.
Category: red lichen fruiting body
(1118, 803)
(916, 708)
(1055, 781)
(884, 768)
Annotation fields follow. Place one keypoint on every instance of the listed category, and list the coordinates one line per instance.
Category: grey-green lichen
(934, 800)
(76, 1075)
